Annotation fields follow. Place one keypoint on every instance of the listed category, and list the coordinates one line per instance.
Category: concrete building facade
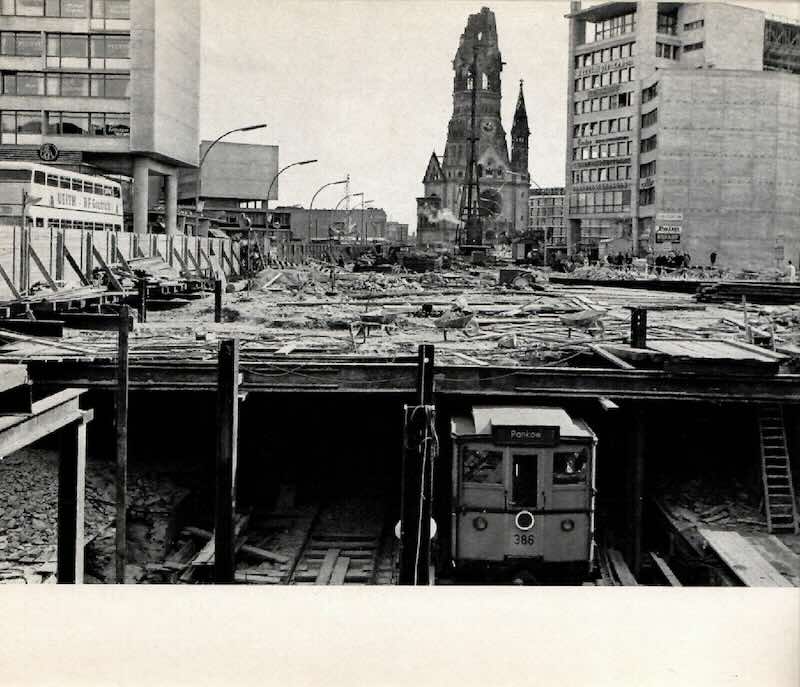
(682, 132)
(112, 84)
(546, 220)
(503, 178)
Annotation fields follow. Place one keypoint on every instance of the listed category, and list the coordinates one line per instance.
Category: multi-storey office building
(109, 84)
(546, 219)
(682, 131)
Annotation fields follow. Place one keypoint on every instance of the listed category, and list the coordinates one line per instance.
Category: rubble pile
(723, 505)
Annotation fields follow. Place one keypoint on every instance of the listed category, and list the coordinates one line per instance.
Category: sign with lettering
(602, 139)
(526, 436)
(602, 186)
(93, 203)
(668, 233)
(604, 67)
(669, 217)
(600, 162)
(647, 183)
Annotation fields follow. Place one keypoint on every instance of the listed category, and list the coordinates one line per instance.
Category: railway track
(346, 545)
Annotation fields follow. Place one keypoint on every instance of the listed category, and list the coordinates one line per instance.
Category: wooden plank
(71, 500)
(621, 569)
(205, 257)
(4, 334)
(34, 327)
(743, 559)
(89, 320)
(468, 358)
(193, 260)
(9, 283)
(610, 357)
(340, 570)
(325, 572)
(111, 276)
(246, 549)
(42, 268)
(75, 267)
(666, 571)
(178, 257)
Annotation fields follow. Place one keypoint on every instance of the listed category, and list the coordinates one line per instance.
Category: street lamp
(281, 171)
(364, 228)
(349, 195)
(252, 127)
(311, 204)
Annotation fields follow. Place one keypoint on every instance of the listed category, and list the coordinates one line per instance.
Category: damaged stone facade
(504, 179)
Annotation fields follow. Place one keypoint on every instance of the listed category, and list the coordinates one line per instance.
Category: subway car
(523, 493)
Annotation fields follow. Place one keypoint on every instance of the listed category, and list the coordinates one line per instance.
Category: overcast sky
(366, 87)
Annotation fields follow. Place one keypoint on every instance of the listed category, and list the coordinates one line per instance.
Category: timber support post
(638, 328)
(121, 402)
(636, 491)
(143, 300)
(71, 498)
(417, 477)
(227, 437)
(218, 300)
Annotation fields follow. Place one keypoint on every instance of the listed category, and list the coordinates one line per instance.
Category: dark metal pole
(227, 434)
(121, 544)
(143, 300)
(417, 479)
(638, 327)
(218, 300)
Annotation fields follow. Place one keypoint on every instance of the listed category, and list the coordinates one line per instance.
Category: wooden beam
(743, 559)
(111, 276)
(121, 258)
(92, 320)
(227, 438)
(328, 563)
(636, 490)
(218, 300)
(71, 499)
(42, 269)
(180, 260)
(665, 570)
(205, 257)
(621, 569)
(340, 570)
(610, 357)
(12, 376)
(121, 484)
(47, 416)
(192, 259)
(33, 327)
(10, 283)
(76, 267)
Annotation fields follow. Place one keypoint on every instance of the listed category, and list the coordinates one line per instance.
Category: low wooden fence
(32, 255)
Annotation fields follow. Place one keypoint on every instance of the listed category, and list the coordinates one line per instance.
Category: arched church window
(484, 82)
(469, 82)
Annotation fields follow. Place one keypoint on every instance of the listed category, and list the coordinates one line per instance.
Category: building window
(649, 118)
(667, 51)
(67, 8)
(691, 47)
(649, 93)
(19, 126)
(694, 25)
(647, 196)
(111, 9)
(615, 26)
(22, 8)
(649, 144)
(22, 83)
(21, 44)
(88, 124)
(82, 51)
(667, 23)
(648, 170)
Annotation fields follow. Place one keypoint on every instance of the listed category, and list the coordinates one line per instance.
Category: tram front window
(569, 467)
(525, 479)
(482, 466)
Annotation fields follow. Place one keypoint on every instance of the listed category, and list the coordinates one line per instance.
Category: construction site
(306, 425)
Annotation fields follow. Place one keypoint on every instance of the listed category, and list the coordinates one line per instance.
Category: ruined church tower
(504, 181)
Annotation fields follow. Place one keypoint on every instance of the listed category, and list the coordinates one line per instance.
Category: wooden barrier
(53, 256)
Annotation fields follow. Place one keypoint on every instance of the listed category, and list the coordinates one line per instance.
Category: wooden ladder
(776, 472)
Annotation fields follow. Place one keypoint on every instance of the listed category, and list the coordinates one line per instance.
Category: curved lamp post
(274, 179)
(311, 204)
(253, 127)
(344, 198)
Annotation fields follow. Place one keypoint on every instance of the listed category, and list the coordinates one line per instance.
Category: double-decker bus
(58, 199)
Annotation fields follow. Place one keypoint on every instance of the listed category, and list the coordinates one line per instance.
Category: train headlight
(568, 525)
(524, 520)
(480, 523)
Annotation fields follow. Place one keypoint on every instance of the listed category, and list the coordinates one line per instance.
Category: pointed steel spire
(520, 126)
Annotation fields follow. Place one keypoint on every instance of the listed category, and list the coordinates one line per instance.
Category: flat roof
(485, 417)
(605, 10)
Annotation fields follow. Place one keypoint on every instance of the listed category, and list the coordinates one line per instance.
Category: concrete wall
(734, 37)
(729, 161)
(165, 79)
(233, 170)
